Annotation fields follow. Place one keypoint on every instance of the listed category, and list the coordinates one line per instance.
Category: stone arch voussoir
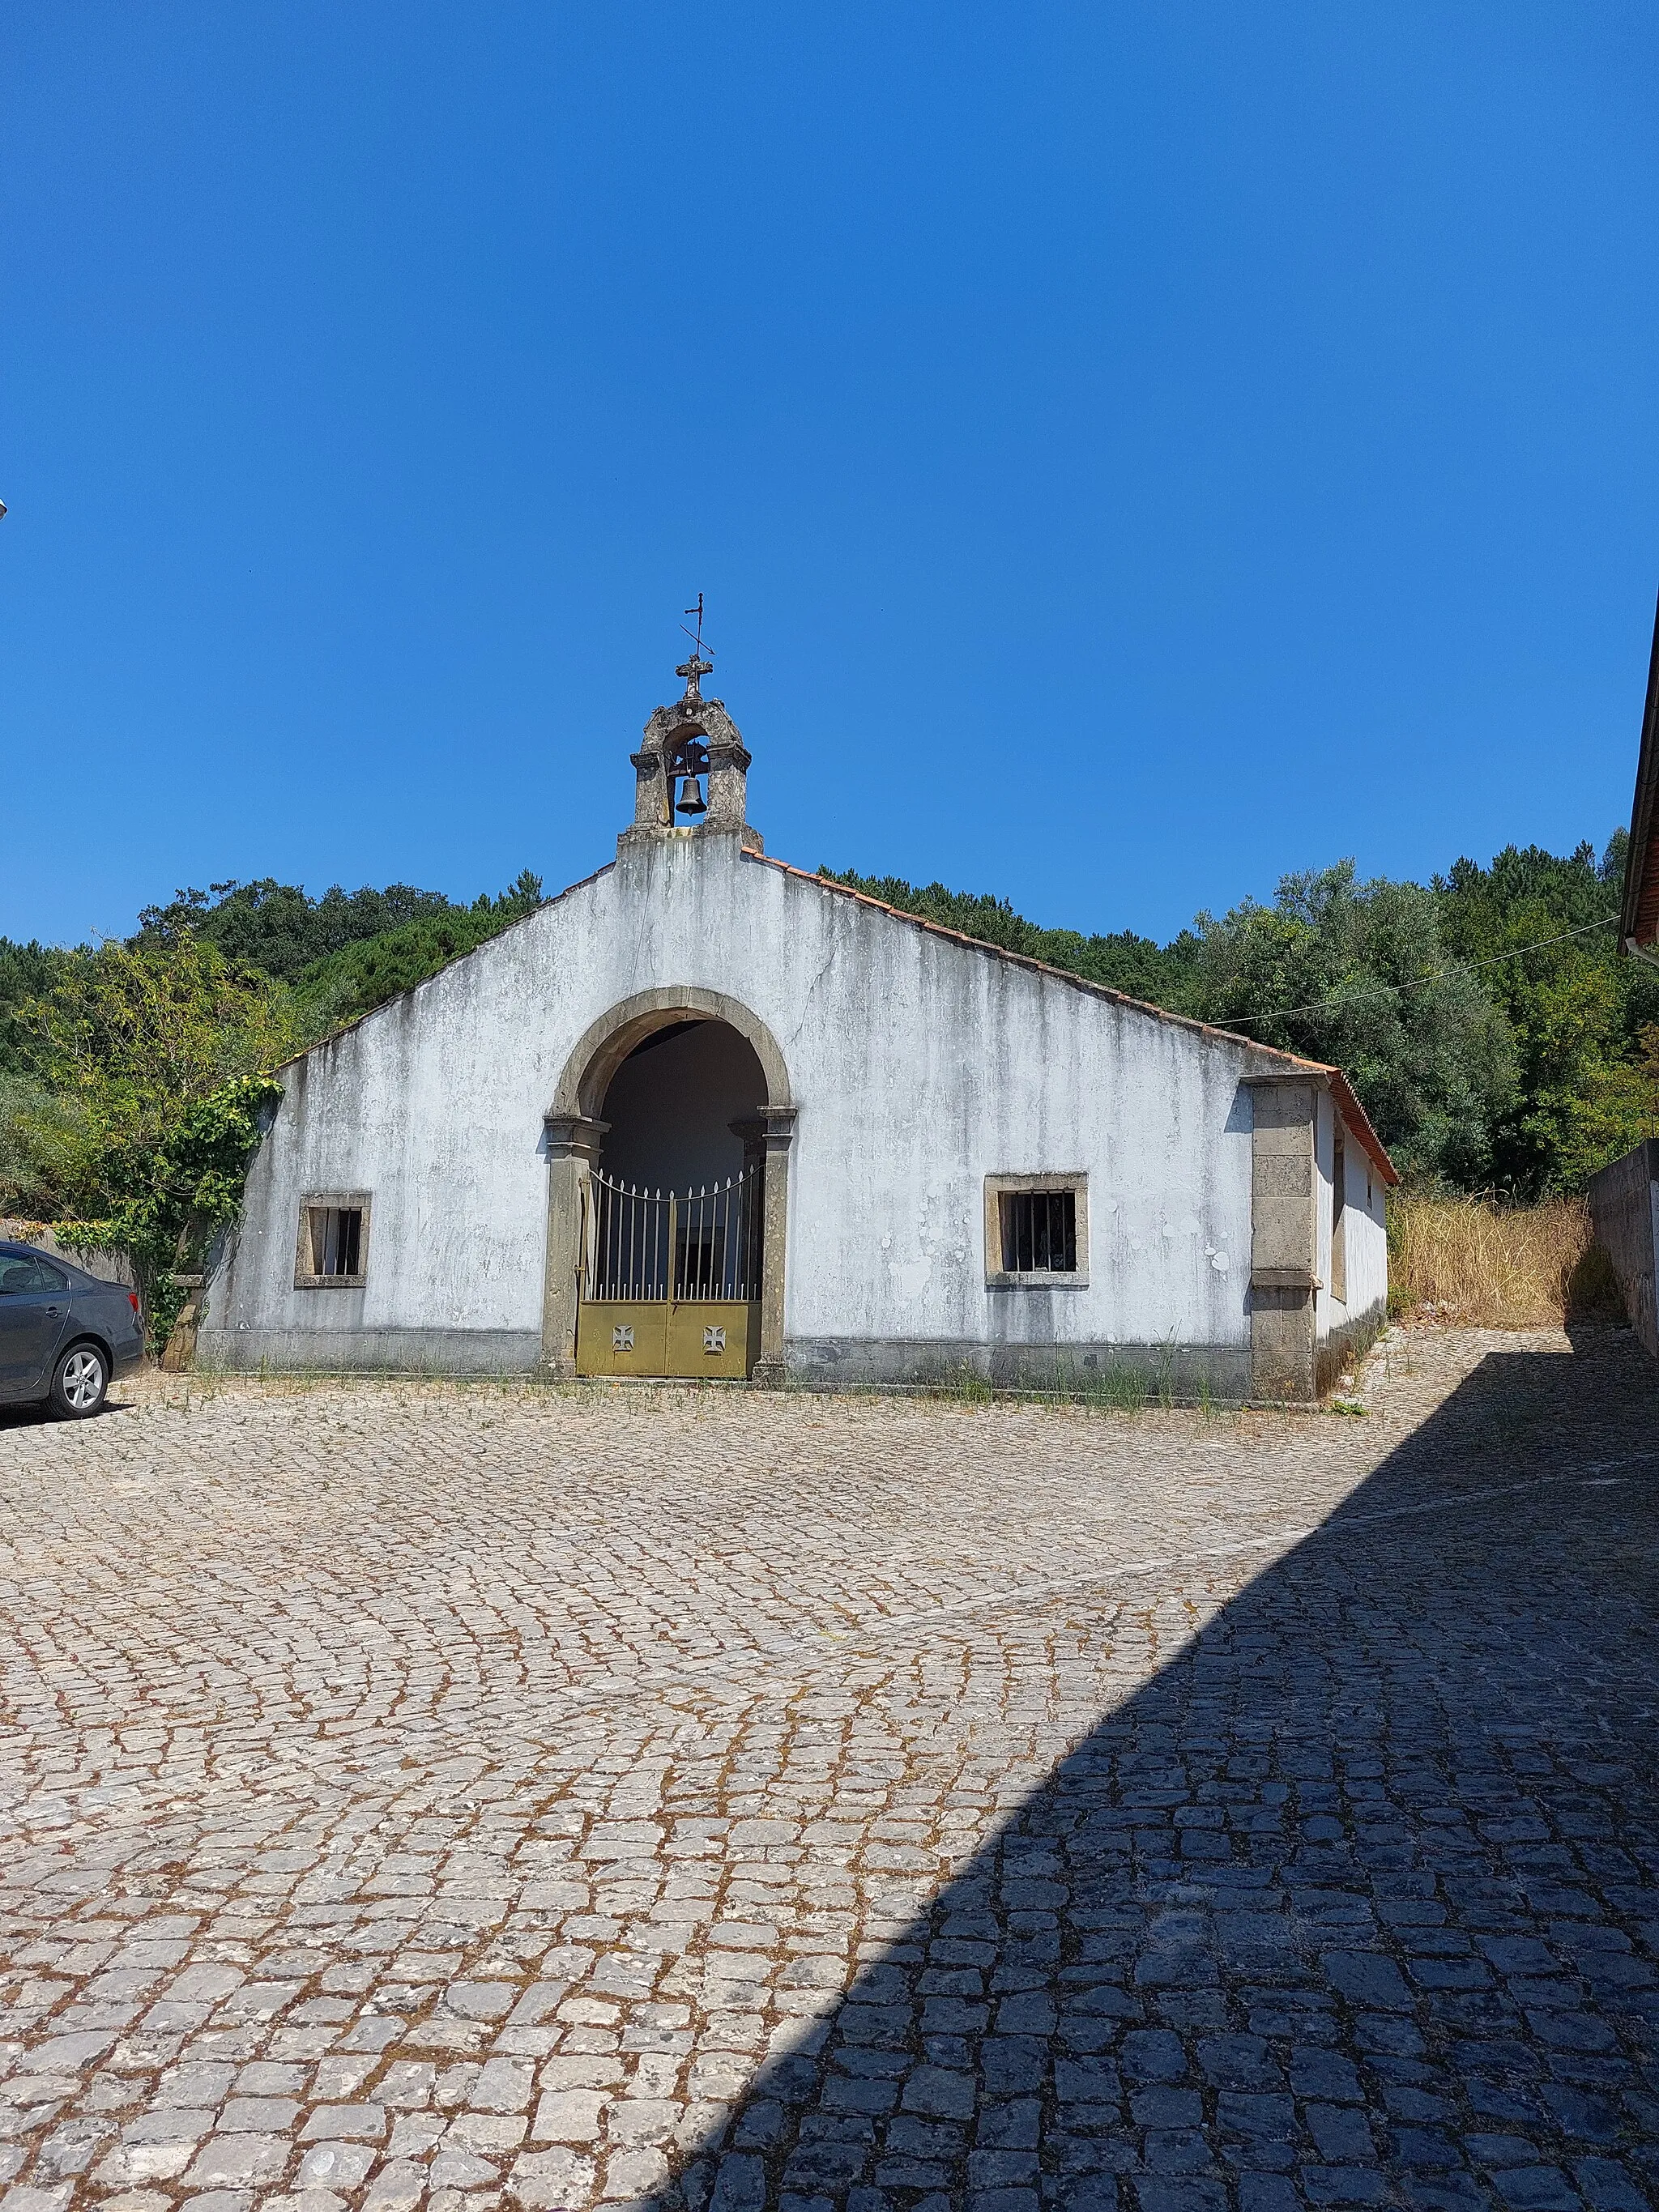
(607, 1042)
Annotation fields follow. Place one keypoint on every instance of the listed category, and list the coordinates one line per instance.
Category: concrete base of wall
(1352, 1339)
(413, 1350)
(1185, 1370)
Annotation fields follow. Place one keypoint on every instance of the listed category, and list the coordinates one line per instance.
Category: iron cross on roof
(696, 666)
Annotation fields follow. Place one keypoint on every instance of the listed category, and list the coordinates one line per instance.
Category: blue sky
(1129, 452)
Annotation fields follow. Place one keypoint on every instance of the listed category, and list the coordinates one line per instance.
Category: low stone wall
(1623, 1202)
(109, 1267)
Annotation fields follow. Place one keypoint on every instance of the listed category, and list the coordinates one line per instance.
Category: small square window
(333, 1250)
(1037, 1229)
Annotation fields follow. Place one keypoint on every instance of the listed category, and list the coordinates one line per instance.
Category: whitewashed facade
(898, 1091)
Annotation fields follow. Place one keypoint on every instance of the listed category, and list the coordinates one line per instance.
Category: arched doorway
(670, 1281)
(668, 1153)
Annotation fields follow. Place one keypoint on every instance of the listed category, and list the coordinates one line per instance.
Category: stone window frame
(998, 1278)
(318, 1202)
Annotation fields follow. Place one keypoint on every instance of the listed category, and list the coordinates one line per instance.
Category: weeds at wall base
(1122, 1390)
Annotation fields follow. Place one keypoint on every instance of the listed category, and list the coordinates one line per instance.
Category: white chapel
(705, 1114)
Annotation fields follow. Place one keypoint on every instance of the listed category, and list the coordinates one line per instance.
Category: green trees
(148, 1069)
(133, 1076)
(26, 1105)
(1485, 1064)
(276, 928)
(1357, 974)
(1577, 1012)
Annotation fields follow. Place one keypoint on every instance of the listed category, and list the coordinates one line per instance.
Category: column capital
(573, 1136)
(772, 1129)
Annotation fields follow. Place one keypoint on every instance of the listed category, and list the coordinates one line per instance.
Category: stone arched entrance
(576, 1130)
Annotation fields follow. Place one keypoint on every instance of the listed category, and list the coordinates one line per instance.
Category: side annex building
(707, 1114)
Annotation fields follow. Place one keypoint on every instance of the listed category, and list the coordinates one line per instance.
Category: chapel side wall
(1368, 1242)
(1344, 1326)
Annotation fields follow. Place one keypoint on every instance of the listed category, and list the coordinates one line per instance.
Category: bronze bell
(691, 800)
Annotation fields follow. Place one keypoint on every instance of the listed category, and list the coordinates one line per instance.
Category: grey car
(65, 1335)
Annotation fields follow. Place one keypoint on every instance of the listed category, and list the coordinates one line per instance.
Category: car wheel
(79, 1382)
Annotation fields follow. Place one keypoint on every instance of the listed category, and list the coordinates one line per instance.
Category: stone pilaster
(728, 785)
(1283, 1218)
(766, 1137)
(650, 803)
(573, 1150)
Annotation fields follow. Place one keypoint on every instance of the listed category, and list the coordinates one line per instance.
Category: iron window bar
(1039, 1232)
(337, 1240)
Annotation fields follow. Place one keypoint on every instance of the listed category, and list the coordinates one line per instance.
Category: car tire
(80, 1383)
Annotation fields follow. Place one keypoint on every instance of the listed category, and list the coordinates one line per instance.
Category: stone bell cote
(691, 773)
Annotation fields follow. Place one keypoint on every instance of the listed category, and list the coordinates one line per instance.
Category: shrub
(1498, 1267)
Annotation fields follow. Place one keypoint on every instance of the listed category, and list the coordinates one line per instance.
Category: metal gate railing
(648, 1246)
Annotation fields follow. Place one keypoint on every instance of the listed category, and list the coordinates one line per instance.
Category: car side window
(31, 1273)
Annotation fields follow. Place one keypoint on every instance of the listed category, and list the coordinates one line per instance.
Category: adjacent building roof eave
(1358, 1122)
(1639, 920)
(1353, 1113)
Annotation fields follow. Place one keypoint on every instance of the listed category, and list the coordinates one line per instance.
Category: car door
(34, 1305)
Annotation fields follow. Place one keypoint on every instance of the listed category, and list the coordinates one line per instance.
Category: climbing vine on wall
(173, 1200)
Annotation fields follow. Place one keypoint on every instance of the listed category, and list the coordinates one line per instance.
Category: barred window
(333, 1248)
(1037, 1229)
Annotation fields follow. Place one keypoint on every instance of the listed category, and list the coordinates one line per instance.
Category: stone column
(766, 1137)
(728, 785)
(573, 1150)
(1283, 1218)
(651, 809)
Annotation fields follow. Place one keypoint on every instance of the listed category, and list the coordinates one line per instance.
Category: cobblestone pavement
(470, 1796)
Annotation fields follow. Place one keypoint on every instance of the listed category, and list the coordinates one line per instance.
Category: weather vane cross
(697, 667)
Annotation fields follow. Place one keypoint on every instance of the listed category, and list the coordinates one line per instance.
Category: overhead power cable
(1439, 975)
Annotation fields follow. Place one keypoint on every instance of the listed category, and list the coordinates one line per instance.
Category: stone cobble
(421, 1795)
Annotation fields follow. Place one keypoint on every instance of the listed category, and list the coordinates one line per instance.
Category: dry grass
(1492, 1267)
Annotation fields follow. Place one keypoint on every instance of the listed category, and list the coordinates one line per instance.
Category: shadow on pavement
(1353, 1904)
